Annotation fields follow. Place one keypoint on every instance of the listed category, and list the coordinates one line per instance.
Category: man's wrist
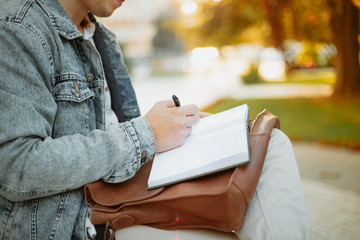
(146, 138)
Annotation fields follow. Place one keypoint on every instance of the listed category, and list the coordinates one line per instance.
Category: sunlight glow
(205, 53)
(272, 65)
(272, 70)
(201, 57)
(189, 7)
(238, 66)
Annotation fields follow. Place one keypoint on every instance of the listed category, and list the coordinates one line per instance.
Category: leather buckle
(109, 232)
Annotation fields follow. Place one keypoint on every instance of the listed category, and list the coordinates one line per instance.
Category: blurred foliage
(231, 22)
(128, 63)
(335, 122)
(306, 20)
(315, 55)
(226, 23)
(273, 22)
(323, 75)
(252, 76)
(312, 76)
(166, 42)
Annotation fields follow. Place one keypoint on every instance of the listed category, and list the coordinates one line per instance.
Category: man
(54, 135)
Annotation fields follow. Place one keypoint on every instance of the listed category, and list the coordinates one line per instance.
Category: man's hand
(171, 124)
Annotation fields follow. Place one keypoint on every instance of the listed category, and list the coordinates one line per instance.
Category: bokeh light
(189, 7)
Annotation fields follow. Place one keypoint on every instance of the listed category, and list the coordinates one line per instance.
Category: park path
(204, 93)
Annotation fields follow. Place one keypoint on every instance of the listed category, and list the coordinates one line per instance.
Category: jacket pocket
(71, 87)
(75, 113)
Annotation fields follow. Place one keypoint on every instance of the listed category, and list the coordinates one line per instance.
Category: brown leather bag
(218, 201)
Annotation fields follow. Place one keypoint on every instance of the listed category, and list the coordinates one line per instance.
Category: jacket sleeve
(33, 164)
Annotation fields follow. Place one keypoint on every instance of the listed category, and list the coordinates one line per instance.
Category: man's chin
(120, 2)
(104, 14)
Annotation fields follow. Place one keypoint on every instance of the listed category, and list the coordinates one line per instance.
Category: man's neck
(76, 11)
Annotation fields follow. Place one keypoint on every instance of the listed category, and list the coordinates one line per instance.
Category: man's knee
(279, 138)
(280, 147)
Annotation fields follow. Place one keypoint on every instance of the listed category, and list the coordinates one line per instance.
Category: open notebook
(217, 142)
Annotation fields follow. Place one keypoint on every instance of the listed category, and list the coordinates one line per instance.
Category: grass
(323, 120)
(318, 75)
(321, 75)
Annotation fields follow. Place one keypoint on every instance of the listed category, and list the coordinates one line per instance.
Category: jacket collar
(60, 19)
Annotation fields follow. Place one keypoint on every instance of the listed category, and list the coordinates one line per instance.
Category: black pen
(176, 101)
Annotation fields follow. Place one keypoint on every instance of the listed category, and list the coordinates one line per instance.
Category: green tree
(165, 41)
(344, 22)
(274, 21)
(335, 21)
(225, 23)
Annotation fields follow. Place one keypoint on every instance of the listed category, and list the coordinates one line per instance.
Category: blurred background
(298, 59)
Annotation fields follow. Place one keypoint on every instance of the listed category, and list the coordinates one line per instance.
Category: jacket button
(89, 77)
(143, 157)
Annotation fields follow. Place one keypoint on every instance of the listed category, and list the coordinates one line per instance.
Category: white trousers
(277, 211)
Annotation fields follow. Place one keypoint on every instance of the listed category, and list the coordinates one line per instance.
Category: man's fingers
(170, 124)
(189, 110)
(191, 120)
(187, 131)
(204, 114)
(167, 103)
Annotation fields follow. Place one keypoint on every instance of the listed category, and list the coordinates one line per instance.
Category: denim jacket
(52, 136)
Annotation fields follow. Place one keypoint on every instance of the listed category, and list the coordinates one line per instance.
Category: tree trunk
(272, 10)
(345, 25)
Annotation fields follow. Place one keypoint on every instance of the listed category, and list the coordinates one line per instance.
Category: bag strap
(264, 123)
(247, 176)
